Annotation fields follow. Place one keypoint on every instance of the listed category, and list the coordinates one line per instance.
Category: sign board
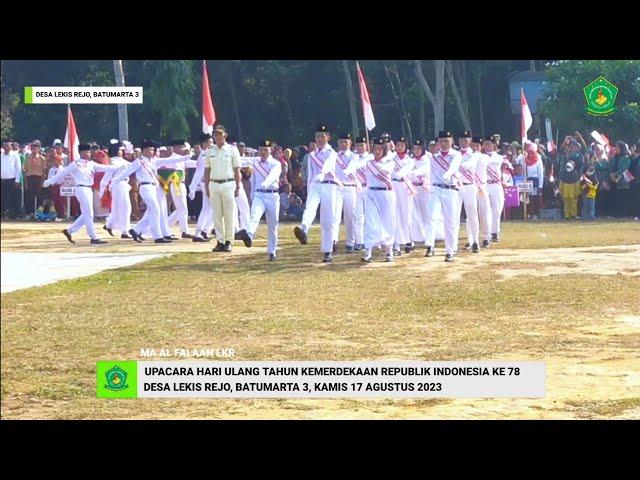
(526, 187)
(67, 191)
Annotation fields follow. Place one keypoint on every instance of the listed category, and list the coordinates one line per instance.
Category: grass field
(544, 293)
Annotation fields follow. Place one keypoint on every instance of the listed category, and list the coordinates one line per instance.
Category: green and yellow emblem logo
(601, 97)
(116, 379)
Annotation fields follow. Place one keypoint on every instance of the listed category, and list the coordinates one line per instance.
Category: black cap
(177, 142)
(489, 139)
(444, 134)
(385, 135)
(219, 128)
(465, 134)
(322, 128)
(402, 139)
(345, 136)
(148, 144)
(361, 139)
(379, 141)
(114, 148)
(83, 147)
(476, 139)
(266, 143)
(95, 146)
(204, 137)
(418, 142)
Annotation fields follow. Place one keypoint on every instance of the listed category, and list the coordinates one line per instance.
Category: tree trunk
(234, 101)
(395, 98)
(422, 127)
(351, 98)
(285, 99)
(480, 110)
(461, 110)
(123, 123)
(403, 105)
(440, 93)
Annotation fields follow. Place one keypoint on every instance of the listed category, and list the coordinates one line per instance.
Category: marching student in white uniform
(146, 169)
(380, 202)
(120, 215)
(361, 157)
(484, 205)
(405, 192)
(495, 186)
(322, 183)
(205, 218)
(82, 170)
(469, 191)
(420, 178)
(345, 196)
(178, 161)
(265, 181)
(443, 195)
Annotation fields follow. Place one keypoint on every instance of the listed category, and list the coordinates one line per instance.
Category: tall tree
(350, 98)
(123, 122)
(437, 98)
(10, 101)
(462, 110)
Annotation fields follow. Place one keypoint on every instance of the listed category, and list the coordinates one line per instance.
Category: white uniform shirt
(494, 167)
(402, 166)
(444, 167)
(537, 171)
(420, 175)
(266, 173)
(10, 166)
(322, 164)
(145, 169)
(468, 166)
(344, 158)
(481, 167)
(82, 172)
(374, 170)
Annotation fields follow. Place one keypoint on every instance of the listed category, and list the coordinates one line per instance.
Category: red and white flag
(71, 140)
(527, 120)
(208, 113)
(369, 121)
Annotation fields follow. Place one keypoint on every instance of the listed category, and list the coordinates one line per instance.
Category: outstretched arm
(58, 177)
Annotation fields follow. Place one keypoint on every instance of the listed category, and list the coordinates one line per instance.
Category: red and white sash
(411, 190)
(442, 162)
(466, 174)
(261, 169)
(379, 174)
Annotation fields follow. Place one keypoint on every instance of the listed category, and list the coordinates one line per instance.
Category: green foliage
(565, 102)
(10, 101)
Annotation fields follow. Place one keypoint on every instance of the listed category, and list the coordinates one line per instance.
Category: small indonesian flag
(527, 120)
(208, 113)
(369, 121)
(71, 140)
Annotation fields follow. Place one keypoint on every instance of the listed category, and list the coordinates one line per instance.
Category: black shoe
(198, 239)
(237, 236)
(485, 244)
(227, 246)
(474, 248)
(97, 241)
(124, 235)
(272, 257)
(494, 237)
(142, 239)
(162, 240)
(327, 258)
(467, 246)
(204, 235)
(134, 235)
(187, 235)
(408, 248)
(335, 247)
(348, 249)
(169, 239)
(244, 236)
(218, 248)
(213, 232)
(366, 259)
(68, 235)
(357, 248)
(300, 235)
(429, 252)
(448, 257)
(104, 227)
(413, 247)
(173, 237)
(397, 253)
(389, 258)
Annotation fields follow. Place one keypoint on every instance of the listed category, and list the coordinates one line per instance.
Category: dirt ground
(593, 362)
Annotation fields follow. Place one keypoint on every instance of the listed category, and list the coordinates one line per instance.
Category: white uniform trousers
(269, 204)
(180, 215)
(242, 211)
(323, 195)
(205, 218)
(419, 215)
(164, 211)
(484, 214)
(223, 207)
(380, 218)
(404, 211)
(359, 221)
(469, 198)
(442, 201)
(496, 197)
(85, 199)
(120, 216)
(150, 221)
(346, 202)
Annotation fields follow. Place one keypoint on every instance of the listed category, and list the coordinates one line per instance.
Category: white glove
(192, 194)
(263, 185)
(319, 177)
(46, 184)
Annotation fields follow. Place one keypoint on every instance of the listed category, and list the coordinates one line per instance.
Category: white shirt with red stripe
(378, 173)
(494, 167)
(401, 163)
(444, 167)
(322, 162)
(342, 162)
(421, 173)
(266, 173)
(468, 166)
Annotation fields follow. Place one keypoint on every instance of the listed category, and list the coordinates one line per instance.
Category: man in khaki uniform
(222, 170)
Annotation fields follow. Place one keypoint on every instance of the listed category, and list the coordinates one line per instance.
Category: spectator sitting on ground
(285, 191)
